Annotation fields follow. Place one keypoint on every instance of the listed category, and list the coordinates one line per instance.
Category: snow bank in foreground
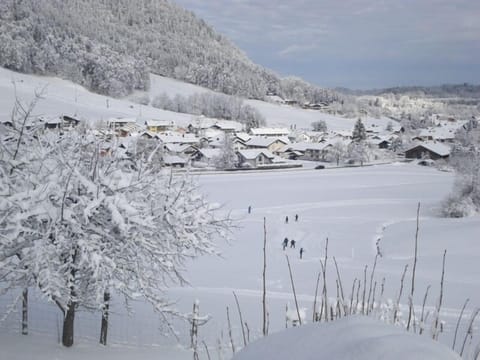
(38, 347)
(354, 338)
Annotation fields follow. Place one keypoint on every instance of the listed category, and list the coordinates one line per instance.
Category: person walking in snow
(286, 219)
(292, 244)
(285, 243)
(301, 252)
(249, 209)
(296, 217)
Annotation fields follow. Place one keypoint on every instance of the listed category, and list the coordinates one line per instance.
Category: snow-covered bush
(465, 197)
(82, 224)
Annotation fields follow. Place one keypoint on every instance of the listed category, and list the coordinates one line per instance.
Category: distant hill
(464, 90)
(111, 46)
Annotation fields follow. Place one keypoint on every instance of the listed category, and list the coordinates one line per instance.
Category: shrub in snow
(458, 205)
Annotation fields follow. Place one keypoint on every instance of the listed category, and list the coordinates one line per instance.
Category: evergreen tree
(359, 132)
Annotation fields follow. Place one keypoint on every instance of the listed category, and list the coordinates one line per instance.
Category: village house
(206, 156)
(51, 123)
(174, 161)
(305, 151)
(202, 124)
(253, 158)
(70, 121)
(176, 138)
(157, 126)
(182, 150)
(428, 150)
(380, 142)
(129, 129)
(268, 143)
(117, 123)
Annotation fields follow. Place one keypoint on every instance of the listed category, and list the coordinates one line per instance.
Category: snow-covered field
(352, 207)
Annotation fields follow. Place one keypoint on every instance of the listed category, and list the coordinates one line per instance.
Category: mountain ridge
(111, 46)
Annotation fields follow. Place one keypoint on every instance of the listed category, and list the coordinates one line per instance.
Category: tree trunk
(104, 326)
(67, 337)
(25, 311)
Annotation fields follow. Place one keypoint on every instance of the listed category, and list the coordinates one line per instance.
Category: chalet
(274, 132)
(306, 151)
(148, 135)
(206, 156)
(117, 123)
(268, 143)
(69, 122)
(253, 158)
(51, 122)
(184, 150)
(227, 126)
(157, 126)
(380, 143)
(202, 123)
(174, 161)
(129, 129)
(315, 106)
(432, 150)
(240, 141)
(175, 138)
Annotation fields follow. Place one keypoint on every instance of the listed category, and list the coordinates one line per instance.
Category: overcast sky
(354, 43)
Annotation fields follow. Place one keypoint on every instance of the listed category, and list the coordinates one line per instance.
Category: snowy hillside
(62, 96)
(110, 47)
(275, 114)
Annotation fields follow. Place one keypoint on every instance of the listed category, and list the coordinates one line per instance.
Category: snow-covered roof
(50, 119)
(251, 154)
(121, 120)
(378, 140)
(177, 148)
(178, 138)
(270, 131)
(261, 141)
(243, 136)
(210, 153)
(173, 159)
(162, 123)
(131, 128)
(436, 147)
(304, 146)
(206, 123)
(355, 337)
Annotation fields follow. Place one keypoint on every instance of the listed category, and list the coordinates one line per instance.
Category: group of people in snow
(285, 241)
(292, 242)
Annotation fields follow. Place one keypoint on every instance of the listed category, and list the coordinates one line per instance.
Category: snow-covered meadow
(353, 207)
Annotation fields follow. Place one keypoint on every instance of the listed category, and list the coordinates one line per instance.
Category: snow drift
(348, 338)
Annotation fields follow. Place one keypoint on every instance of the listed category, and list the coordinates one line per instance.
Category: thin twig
(458, 323)
(293, 289)
(410, 307)
(241, 318)
(264, 290)
(422, 319)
